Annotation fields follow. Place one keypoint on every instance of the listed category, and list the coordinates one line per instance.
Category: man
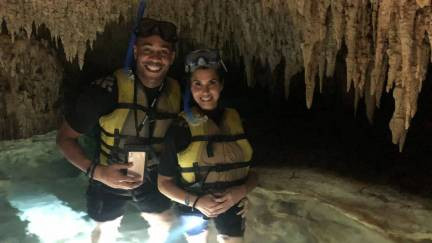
(133, 109)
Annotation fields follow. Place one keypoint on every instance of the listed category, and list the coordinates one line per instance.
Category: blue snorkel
(129, 60)
(186, 99)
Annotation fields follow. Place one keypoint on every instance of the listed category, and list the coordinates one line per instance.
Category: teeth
(205, 98)
(153, 68)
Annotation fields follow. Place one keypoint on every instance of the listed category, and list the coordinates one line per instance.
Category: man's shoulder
(171, 79)
(173, 82)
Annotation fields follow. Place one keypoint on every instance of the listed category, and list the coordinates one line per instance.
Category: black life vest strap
(108, 147)
(152, 107)
(218, 138)
(115, 150)
(211, 139)
(104, 153)
(113, 156)
(216, 168)
(210, 188)
(145, 141)
(221, 185)
(152, 113)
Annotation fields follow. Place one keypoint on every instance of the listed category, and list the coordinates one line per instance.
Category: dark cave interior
(330, 136)
(329, 173)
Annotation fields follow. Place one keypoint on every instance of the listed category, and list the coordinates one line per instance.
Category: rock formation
(75, 23)
(388, 42)
(30, 77)
(312, 206)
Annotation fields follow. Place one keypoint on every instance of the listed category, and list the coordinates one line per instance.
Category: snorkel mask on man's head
(166, 30)
(145, 27)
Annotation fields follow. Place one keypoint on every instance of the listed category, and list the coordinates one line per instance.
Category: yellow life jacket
(119, 127)
(218, 156)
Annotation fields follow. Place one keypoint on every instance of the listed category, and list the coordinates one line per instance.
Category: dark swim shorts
(228, 223)
(105, 203)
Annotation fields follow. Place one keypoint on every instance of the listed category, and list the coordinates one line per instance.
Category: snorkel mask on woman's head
(203, 58)
(208, 58)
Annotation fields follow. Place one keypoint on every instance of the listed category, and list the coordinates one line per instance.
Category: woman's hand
(207, 205)
(229, 198)
(244, 205)
(113, 176)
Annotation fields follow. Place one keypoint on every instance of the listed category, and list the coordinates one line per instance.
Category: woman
(205, 167)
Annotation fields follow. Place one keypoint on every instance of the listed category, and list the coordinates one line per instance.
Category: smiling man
(134, 110)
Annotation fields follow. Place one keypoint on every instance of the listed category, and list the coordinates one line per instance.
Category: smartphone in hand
(138, 157)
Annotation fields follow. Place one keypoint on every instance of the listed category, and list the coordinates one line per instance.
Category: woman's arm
(177, 139)
(206, 204)
(234, 194)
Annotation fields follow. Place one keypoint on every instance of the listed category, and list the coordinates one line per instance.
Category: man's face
(154, 57)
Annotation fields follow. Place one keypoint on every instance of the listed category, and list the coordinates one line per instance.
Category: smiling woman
(206, 87)
(209, 146)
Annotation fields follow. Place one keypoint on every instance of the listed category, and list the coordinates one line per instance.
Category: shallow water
(42, 200)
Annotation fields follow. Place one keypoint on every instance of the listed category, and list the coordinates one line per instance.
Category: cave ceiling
(388, 43)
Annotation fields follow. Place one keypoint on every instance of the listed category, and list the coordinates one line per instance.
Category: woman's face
(206, 88)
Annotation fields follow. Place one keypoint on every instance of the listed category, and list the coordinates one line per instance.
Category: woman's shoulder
(179, 133)
(231, 110)
(179, 122)
(232, 114)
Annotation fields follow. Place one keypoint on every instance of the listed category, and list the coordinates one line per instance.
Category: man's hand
(113, 176)
(207, 205)
(229, 198)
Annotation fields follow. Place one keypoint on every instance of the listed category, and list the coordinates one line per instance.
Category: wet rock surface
(291, 203)
(300, 205)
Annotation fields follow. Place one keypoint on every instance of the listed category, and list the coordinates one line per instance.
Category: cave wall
(387, 42)
(75, 23)
(30, 78)
(43, 47)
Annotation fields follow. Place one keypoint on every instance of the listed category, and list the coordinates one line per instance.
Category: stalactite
(75, 23)
(30, 77)
(402, 47)
(388, 42)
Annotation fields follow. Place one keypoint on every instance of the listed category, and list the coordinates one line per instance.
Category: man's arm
(111, 175)
(67, 141)
(98, 99)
